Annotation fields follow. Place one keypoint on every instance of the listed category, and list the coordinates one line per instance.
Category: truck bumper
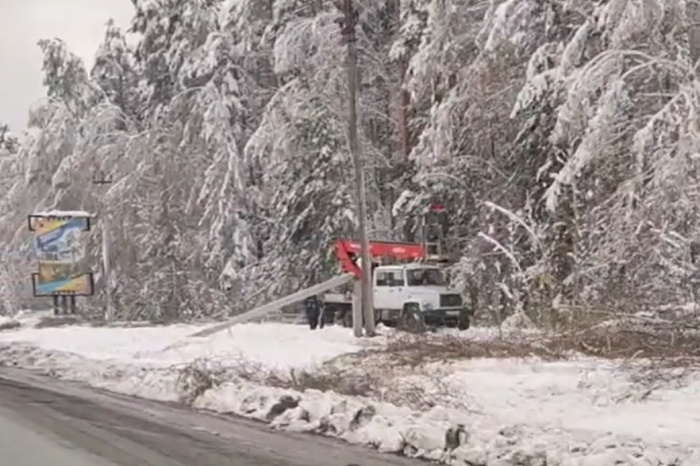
(445, 316)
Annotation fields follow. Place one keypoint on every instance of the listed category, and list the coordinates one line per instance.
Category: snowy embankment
(389, 393)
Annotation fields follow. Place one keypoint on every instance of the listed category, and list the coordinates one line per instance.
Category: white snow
(6, 322)
(274, 346)
(581, 411)
(580, 395)
(63, 213)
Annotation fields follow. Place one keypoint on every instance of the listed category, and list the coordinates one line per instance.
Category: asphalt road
(44, 422)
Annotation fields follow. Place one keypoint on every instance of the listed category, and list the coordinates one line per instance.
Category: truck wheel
(463, 323)
(378, 318)
(411, 319)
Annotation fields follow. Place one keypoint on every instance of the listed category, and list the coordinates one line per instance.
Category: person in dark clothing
(313, 311)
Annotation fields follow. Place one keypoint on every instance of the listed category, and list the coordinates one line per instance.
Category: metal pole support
(109, 314)
(100, 178)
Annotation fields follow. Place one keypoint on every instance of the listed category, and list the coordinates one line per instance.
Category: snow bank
(582, 412)
(580, 395)
(273, 346)
(64, 213)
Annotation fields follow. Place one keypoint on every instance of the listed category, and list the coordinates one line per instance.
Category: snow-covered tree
(9, 144)
(560, 135)
(114, 71)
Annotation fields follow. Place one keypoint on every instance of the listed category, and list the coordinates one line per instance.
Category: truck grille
(450, 300)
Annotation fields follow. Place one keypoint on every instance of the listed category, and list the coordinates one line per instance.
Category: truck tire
(411, 319)
(463, 323)
(378, 318)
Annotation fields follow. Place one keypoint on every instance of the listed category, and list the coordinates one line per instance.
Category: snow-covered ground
(275, 346)
(582, 411)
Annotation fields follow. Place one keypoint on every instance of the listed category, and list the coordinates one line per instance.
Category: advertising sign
(60, 251)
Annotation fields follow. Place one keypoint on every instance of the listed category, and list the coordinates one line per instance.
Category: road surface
(44, 422)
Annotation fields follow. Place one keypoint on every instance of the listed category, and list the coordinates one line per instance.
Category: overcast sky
(80, 23)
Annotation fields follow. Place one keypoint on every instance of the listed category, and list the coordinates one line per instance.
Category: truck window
(425, 277)
(396, 278)
(390, 278)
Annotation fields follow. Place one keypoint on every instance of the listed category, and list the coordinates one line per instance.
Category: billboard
(60, 250)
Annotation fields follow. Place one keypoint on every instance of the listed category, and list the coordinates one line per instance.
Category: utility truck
(409, 288)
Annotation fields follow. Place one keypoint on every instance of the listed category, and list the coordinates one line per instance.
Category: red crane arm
(348, 251)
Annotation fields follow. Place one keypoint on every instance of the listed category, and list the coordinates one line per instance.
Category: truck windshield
(425, 277)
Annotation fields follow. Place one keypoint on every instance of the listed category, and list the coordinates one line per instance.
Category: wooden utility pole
(347, 25)
(404, 107)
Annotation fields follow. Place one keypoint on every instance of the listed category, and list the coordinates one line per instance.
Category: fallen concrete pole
(265, 309)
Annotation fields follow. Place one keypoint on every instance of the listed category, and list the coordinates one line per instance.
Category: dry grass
(58, 321)
(609, 340)
(9, 325)
(413, 351)
(196, 378)
(376, 374)
(650, 354)
(358, 383)
(199, 376)
(632, 340)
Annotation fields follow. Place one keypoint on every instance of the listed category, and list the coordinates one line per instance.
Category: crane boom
(347, 253)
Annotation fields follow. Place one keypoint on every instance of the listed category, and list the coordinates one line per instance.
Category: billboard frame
(35, 287)
(35, 275)
(30, 224)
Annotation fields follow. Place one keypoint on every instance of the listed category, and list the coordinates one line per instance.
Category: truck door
(387, 285)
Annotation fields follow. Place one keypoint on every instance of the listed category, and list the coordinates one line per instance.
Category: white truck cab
(416, 290)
